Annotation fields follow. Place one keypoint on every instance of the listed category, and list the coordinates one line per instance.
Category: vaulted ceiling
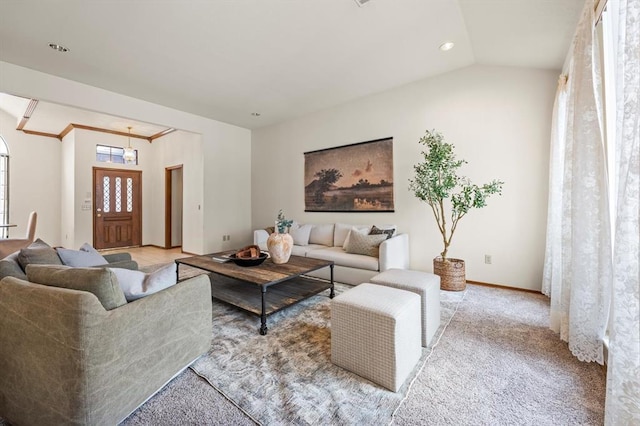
(227, 59)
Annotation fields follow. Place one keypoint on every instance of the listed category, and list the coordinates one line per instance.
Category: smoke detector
(362, 2)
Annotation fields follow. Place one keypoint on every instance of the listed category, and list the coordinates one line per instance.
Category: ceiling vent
(362, 2)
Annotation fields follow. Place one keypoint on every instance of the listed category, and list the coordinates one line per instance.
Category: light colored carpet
(287, 376)
(497, 363)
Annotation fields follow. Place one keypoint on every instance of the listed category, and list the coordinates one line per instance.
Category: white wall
(67, 191)
(226, 151)
(172, 150)
(225, 190)
(499, 120)
(34, 181)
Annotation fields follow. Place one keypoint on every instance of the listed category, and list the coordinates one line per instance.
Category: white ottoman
(423, 283)
(375, 333)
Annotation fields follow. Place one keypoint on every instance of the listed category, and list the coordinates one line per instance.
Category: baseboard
(502, 286)
(164, 248)
(154, 245)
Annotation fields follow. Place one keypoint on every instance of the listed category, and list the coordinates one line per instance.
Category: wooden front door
(117, 212)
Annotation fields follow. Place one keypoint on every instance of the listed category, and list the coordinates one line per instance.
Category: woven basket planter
(451, 273)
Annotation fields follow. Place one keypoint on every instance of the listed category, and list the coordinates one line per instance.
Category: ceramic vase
(280, 246)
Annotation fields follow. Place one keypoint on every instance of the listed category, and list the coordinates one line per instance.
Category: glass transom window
(112, 154)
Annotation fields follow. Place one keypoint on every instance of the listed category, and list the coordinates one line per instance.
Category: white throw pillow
(322, 234)
(300, 234)
(137, 284)
(86, 257)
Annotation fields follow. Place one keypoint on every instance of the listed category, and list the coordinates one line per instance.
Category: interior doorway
(173, 207)
(117, 213)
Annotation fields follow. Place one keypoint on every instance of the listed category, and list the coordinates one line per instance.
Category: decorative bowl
(249, 261)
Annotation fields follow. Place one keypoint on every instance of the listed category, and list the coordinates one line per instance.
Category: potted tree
(449, 195)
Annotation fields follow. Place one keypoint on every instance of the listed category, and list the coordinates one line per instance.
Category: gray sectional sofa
(327, 242)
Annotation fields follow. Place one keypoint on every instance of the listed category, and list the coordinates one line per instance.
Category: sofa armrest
(54, 335)
(10, 267)
(394, 253)
(117, 257)
(260, 236)
(125, 264)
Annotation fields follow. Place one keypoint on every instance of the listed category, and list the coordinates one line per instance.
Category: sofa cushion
(137, 284)
(322, 234)
(305, 250)
(300, 234)
(38, 252)
(364, 244)
(389, 232)
(342, 230)
(85, 257)
(341, 258)
(99, 281)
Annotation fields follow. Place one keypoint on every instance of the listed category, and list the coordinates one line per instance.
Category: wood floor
(151, 255)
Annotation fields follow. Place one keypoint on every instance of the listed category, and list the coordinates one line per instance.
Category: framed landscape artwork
(350, 178)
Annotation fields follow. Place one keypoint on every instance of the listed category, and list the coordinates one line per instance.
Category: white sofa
(326, 242)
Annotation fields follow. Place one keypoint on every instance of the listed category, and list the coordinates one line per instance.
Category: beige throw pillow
(367, 245)
(361, 229)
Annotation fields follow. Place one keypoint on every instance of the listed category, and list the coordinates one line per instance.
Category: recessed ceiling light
(255, 114)
(446, 46)
(58, 47)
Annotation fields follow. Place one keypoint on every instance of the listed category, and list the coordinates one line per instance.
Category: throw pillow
(361, 229)
(99, 281)
(38, 252)
(300, 234)
(322, 234)
(342, 231)
(85, 257)
(38, 243)
(364, 244)
(137, 284)
(378, 231)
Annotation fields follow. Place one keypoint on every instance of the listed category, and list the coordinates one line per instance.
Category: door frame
(93, 190)
(167, 203)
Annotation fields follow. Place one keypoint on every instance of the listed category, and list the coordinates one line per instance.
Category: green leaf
(436, 179)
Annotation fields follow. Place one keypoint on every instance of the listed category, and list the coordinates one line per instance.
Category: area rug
(287, 375)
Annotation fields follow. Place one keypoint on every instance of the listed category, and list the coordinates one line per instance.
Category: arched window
(4, 185)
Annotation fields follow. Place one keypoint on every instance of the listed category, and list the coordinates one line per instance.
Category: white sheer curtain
(623, 371)
(577, 273)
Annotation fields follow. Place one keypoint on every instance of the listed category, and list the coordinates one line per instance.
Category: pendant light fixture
(129, 155)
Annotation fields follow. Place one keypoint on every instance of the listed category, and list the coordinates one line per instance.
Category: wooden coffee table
(246, 286)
